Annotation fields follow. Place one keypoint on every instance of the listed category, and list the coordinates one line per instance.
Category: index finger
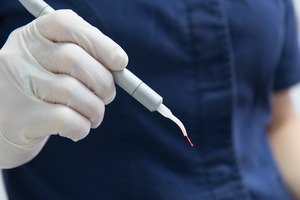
(66, 26)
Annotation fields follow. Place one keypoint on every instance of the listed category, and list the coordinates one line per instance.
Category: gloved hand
(54, 79)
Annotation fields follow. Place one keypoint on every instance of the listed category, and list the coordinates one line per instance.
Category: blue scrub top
(216, 63)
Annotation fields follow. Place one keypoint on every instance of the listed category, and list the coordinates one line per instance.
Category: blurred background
(295, 91)
(295, 94)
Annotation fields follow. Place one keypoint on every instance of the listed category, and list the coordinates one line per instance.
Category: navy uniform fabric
(216, 63)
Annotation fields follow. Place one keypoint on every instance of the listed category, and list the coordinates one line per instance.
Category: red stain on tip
(189, 140)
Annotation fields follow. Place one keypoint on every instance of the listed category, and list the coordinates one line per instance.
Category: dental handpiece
(124, 78)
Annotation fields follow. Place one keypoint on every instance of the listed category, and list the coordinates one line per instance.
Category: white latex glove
(54, 79)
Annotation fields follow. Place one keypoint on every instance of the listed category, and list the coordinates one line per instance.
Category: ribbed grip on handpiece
(137, 89)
